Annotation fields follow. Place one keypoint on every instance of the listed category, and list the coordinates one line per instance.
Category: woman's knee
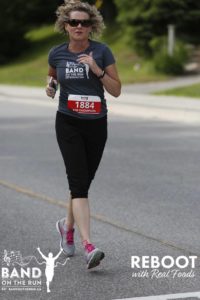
(79, 188)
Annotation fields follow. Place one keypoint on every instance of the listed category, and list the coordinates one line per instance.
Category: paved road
(144, 201)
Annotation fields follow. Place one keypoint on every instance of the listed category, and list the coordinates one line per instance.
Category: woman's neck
(78, 46)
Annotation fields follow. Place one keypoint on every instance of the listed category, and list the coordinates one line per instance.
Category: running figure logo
(12, 258)
(50, 265)
(87, 68)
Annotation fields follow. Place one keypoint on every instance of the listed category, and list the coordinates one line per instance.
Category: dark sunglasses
(75, 23)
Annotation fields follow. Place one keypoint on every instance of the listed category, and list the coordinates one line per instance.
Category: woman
(83, 68)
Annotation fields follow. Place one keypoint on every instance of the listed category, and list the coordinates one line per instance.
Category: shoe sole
(58, 229)
(95, 259)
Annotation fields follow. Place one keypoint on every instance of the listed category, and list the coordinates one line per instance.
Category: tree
(147, 19)
(109, 11)
(16, 18)
(41, 12)
(12, 29)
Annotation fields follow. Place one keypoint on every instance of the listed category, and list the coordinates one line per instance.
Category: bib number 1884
(84, 104)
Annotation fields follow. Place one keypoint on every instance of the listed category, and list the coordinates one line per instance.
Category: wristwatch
(102, 75)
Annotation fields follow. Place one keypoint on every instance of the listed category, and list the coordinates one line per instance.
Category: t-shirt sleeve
(51, 58)
(108, 57)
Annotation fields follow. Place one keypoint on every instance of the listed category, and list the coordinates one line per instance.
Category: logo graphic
(16, 275)
(76, 71)
(87, 68)
(149, 266)
(50, 265)
(15, 257)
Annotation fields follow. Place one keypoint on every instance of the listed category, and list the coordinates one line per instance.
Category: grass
(31, 67)
(188, 91)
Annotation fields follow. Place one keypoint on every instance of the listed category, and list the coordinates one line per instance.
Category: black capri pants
(81, 143)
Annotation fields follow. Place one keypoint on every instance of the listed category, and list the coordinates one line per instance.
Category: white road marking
(166, 297)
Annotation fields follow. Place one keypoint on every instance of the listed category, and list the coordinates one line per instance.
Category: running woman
(83, 68)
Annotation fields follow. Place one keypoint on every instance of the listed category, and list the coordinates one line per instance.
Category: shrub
(165, 63)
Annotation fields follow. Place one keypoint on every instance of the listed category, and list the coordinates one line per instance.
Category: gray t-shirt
(77, 79)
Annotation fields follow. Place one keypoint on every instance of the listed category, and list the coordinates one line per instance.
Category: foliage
(16, 18)
(19, 16)
(187, 91)
(165, 63)
(107, 8)
(147, 19)
(31, 68)
(109, 12)
(12, 28)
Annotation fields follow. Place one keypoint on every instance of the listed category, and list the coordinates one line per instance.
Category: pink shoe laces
(70, 236)
(88, 247)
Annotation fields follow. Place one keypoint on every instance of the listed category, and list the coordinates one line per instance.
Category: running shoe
(66, 238)
(93, 256)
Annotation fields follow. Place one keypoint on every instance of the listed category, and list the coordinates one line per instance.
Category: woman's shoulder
(98, 45)
(58, 48)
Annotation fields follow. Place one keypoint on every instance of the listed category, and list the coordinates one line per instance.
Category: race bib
(84, 104)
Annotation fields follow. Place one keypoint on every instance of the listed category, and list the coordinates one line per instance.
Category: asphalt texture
(144, 202)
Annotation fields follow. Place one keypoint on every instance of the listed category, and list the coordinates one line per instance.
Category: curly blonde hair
(64, 10)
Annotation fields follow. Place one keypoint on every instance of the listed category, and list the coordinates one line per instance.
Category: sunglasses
(75, 23)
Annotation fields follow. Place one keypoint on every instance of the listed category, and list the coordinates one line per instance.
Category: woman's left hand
(89, 60)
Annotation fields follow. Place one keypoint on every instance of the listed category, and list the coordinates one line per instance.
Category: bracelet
(102, 75)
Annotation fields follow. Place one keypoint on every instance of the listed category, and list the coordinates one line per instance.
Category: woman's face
(77, 31)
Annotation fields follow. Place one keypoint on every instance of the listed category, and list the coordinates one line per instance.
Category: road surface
(144, 202)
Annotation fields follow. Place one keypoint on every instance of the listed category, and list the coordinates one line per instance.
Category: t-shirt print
(76, 71)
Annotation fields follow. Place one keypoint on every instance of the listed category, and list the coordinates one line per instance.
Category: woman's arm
(111, 81)
(52, 72)
(50, 91)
